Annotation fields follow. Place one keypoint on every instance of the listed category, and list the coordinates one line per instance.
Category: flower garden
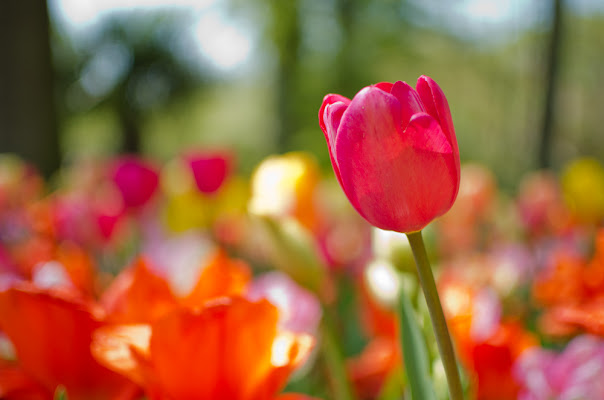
(130, 278)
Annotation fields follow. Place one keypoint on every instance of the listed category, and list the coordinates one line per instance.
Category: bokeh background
(524, 78)
(218, 100)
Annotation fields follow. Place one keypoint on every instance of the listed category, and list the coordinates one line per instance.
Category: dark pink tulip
(209, 170)
(394, 152)
(136, 179)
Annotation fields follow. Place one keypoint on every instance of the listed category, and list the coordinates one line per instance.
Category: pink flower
(576, 373)
(299, 309)
(210, 170)
(394, 152)
(136, 180)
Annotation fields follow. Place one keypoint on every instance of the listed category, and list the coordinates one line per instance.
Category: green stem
(439, 324)
(334, 360)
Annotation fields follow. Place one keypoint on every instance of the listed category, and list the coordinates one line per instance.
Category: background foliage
(132, 81)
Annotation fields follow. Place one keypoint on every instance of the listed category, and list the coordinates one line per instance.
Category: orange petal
(79, 265)
(124, 349)
(289, 350)
(137, 295)
(222, 351)
(221, 277)
(52, 335)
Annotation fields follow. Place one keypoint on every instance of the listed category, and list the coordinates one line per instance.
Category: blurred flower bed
(128, 278)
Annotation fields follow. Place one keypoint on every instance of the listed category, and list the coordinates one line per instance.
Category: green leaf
(415, 354)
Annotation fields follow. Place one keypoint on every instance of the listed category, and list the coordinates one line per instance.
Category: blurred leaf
(293, 252)
(60, 393)
(415, 354)
(393, 386)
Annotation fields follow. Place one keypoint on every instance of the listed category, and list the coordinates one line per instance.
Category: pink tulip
(394, 152)
(575, 373)
(137, 180)
(210, 170)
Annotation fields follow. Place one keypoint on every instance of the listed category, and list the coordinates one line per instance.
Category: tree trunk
(28, 125)
(286, 33)
(551, 84)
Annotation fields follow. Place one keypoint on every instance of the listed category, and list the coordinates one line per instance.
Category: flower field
(129, 278)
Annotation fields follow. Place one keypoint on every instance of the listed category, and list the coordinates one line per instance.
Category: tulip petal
(326, 123)
(137, 295)
(409, 99)
(330, 116)
(385, 86)
(223, 276)
(437, 106)
(120, 347)
(424, 133)
(221, 351)
(52, 336)
(367, 143)
(137, 180)
(209, 170)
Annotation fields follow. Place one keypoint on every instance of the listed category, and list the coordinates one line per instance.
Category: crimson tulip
(394, 151)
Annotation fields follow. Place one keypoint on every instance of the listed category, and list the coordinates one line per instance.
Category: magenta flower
(394, 152)
(137, 180)
(210, 170)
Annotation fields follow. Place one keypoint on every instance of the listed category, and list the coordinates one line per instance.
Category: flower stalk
(439, 324)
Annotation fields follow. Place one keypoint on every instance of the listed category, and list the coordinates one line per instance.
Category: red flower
(394, 152)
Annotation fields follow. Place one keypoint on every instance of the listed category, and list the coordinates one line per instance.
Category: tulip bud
(393, 150)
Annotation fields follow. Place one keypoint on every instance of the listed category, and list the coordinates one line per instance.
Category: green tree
(134, 65)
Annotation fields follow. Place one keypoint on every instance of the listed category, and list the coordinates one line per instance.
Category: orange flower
(487, 347)
(51, 334)
(221, 277)
(229, 349)
(563, 283)
(573, 292)
(138, 295)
